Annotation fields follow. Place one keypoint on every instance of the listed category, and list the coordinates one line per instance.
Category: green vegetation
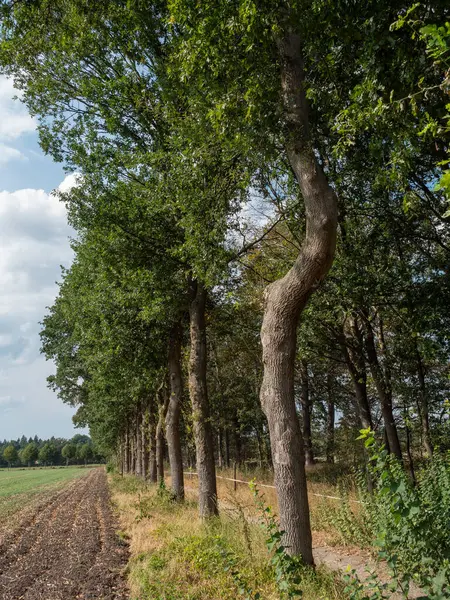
(55, 451)
(21, 487)
(176, 555)
(261, 218)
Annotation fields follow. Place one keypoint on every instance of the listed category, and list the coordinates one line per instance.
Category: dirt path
(66, 549)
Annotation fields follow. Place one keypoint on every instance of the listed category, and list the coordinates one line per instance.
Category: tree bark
(162, 411)
(305, 401)
(330, 421)
(200, 405)
(423, 406)
(144, 444)
(382, 383)
(353, 348)
(173, 413)
(127, 450)
(138, 437)
(153, 469)
(286, 298)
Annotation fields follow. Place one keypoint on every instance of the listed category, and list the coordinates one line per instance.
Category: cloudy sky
(33, 244)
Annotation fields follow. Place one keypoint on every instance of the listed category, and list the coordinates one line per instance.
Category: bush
(411, 523)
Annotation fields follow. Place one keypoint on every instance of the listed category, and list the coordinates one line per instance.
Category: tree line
(30, 452)
(261, 217)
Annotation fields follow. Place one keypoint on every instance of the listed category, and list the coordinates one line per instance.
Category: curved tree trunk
(284, 301)
(200, 406)
(173, 413)
(305, 399)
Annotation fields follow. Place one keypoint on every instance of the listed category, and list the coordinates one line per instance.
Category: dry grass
(176, 556)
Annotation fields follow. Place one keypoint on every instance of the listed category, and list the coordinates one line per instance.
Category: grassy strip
(175, 556)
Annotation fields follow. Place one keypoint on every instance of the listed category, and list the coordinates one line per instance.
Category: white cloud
(33, 244)
(7, 153)
(15, 119)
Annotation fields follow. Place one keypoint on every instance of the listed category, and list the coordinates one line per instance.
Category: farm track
(66, 548)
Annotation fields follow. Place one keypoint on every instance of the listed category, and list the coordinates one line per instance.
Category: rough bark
(153, 470)
(200, 406)
(423, 406)
(330, 421)
(162, 411)
(144, 444)
(286, 298)
(138, 437)
(305, 401)
(384, 390)
(353, 348)
(173, 413)
(127, 450)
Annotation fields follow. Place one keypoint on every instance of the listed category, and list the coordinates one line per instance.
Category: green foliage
(287, 569)
(48, 453)
(410, 523)
(10, 454)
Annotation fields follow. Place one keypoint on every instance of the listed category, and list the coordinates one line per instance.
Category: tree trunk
(132, 453)
(423, 406)
(227, 447)
(237, 440)
(305, 401)
(384, 390)
(163, 404)
(220, 460)
(330, 421)
(285, 300)
(200, 405)
(352, 345)
(173, 414)
(144, 444)
(153, 469)
(138, 437)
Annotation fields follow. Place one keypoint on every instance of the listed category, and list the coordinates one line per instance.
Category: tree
(10, 455)
(48, 453)
(86, 453)
(30, 453)
(68, 452)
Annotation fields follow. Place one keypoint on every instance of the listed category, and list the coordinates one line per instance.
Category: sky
(34, 243)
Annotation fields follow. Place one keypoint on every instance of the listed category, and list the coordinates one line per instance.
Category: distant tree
(68, 452)
(80, 439)
(86, 452)
(29, 454)
(48, 453)
(10, 455)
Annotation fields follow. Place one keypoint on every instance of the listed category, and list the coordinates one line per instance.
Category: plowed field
(65, 548)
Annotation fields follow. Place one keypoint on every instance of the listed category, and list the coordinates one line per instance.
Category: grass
(20, 488)
(175, 556)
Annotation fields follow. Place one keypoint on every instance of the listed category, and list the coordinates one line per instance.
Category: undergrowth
(175, 556)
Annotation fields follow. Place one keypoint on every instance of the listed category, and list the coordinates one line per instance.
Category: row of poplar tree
(241, 164)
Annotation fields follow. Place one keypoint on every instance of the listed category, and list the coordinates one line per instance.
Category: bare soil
(66, 548)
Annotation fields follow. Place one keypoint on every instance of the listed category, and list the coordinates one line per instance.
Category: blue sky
(34, 242)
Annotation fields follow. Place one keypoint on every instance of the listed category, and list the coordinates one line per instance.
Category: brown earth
(67, 548)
